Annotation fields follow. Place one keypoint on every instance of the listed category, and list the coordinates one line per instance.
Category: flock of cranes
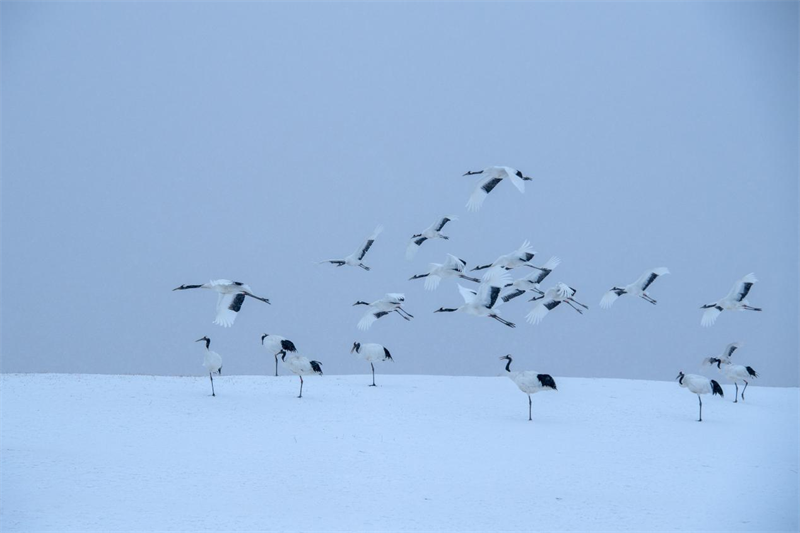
(482, 301)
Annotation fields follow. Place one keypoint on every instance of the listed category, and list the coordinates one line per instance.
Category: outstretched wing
(432, 282)
(367, 320)
(454, 263)
(228, 306)
(646, 279)
(518, 182)
(468, 294)
(729, 349)
(541, 309)
(482, 190)
(413, 246)
(610, 297)
(710, 316)
(740, 289)
(439, 225)
(493, 282)
(368, 243)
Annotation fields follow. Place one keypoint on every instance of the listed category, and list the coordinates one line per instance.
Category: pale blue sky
(146, 145)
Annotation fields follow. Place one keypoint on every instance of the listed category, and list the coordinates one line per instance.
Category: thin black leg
(373, 374)
(736, 396)
(276, 365)
(401, 314)
(362, 265)
(701, 408)
(529, 408)
(301, 387)
(212, 384)
(744, 389)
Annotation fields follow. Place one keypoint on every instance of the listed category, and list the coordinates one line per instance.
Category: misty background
(147, 145)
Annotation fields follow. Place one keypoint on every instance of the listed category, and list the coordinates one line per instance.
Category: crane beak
(198, 340)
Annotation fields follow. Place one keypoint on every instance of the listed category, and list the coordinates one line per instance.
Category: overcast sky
(146, 145)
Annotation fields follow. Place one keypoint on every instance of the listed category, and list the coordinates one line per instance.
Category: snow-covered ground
(138, 453)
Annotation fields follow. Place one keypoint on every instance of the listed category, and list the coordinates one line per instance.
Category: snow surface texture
(142, 453)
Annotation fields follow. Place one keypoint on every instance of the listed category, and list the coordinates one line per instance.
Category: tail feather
(751, 371)
(316, 366)
(716, 389)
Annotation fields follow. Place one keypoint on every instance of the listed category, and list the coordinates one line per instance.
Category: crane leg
(212, 384)
(744, 389)
(405, 312)
(276, 365)
(648, 299)
(362, 265)
(736, 396)
(401, 314)
(529, 408)
(701, 408)
(572, 306)
(301, 387)
(373, 374)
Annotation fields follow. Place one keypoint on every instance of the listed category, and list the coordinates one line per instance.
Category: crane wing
(454, 263)
(609, 298)
(368, 243)
(740, 289)
(439, 225)
(482, 189)
(228, 306)
(468, 294)
(413, 247)
(541, 309)
(518, 182)
(710, 316)
(432, 282)
(367, 320)
(646, 279)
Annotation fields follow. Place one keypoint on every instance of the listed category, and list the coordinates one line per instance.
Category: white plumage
(392, 302)
(301, 366)
(453, 267)
(731, 372)
(230, 300)
(519, 257)
(277, 345)
(637, 288)
(483, 301)
(699, 385)
(371, 352)
(356, 257)
(552, 298)
(491, 177)
(434, 231)
(531, 281)
(212, 362)
(529, 382)
(734, 301)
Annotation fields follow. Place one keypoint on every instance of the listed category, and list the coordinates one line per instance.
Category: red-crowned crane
(230, 300)
(529, 382)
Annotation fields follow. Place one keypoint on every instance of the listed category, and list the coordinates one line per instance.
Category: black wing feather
(288, 345)
(547, 381)
(491, 184)
(237, 302)
(649, 280)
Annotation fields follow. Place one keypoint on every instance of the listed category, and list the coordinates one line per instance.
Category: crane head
(507, 356)
(356, 347)
(208, 341)
(679, 377)
(264, 336)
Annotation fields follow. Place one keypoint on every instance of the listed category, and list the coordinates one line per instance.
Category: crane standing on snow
(371, 352)
(277, 345)
(699, 385)
(529, 382)
(732, 372)
(212, 363)
(300, 366)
